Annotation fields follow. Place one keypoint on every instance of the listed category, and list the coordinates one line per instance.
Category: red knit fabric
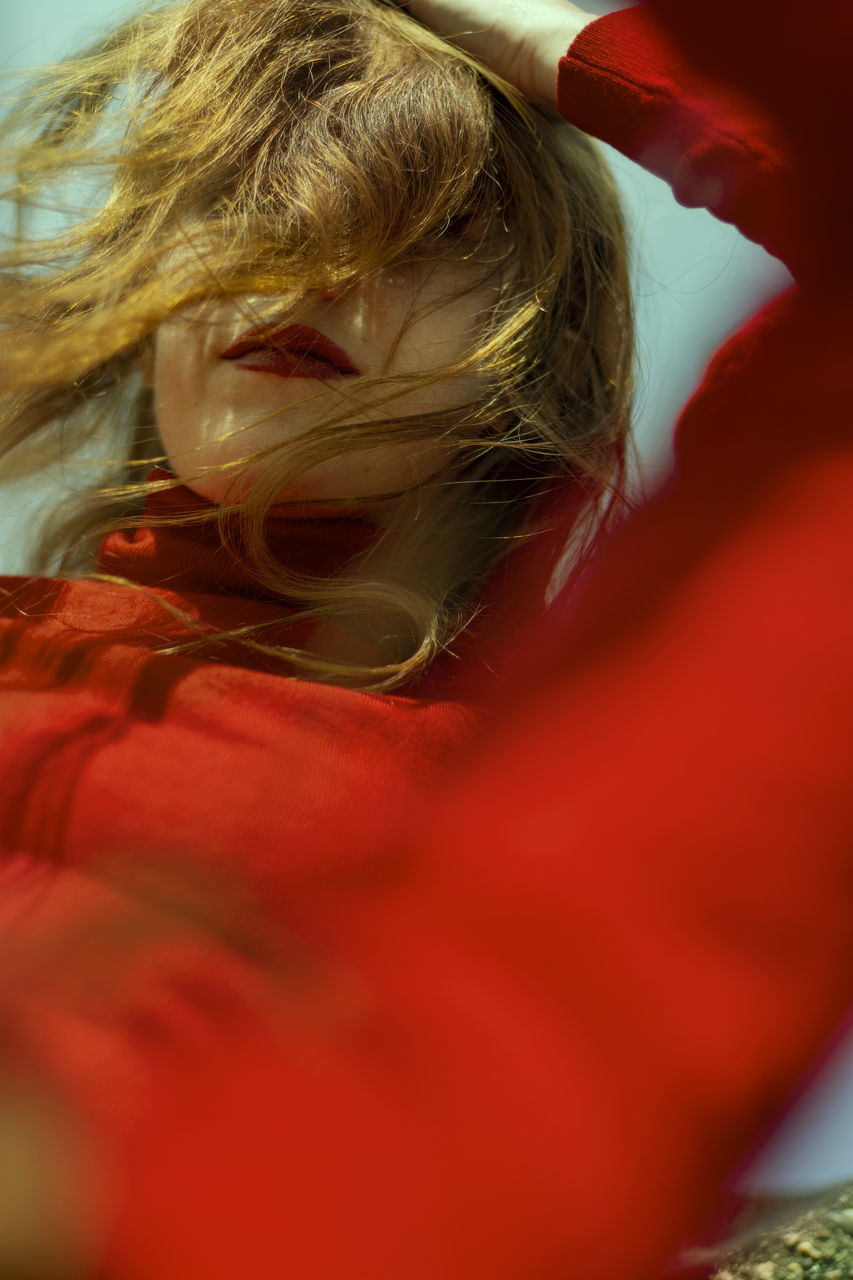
(530, 1033)
(110, 747)
(625, 82)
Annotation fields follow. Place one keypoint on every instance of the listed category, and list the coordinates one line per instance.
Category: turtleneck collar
(192, 559)
(210, 579)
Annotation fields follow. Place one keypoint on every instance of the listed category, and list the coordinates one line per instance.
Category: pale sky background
(695, 281)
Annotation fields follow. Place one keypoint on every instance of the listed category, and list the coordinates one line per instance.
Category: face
(214, 407)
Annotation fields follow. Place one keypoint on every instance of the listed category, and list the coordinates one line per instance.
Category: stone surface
(792, 1252)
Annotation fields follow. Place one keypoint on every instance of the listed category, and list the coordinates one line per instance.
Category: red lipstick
(290, 351)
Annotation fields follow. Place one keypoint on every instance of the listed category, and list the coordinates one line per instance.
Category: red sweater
(530, 1033)
(110, 747)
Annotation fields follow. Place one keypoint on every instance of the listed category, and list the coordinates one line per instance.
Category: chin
(309, 498)
(368, 481)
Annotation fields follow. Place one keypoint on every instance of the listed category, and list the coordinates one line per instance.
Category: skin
(408, 321)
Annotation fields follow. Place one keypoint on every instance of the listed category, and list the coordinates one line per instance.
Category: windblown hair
(275, 147)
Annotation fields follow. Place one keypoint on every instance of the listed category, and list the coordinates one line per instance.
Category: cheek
(166, 375)
(183, 417)
(437, 331)
(175, 364)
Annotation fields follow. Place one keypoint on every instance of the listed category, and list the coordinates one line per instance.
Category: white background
(695, 281)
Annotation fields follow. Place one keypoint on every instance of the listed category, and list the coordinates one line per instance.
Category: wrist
(548, 47)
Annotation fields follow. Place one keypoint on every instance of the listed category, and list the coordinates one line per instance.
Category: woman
(446, 355)
(433, 286)
(446, 375)
(569, 987)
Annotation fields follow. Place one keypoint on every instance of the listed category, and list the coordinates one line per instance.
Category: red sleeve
(624, 82)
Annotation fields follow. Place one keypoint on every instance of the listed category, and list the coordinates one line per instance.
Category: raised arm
(521, 42)
(622, 80)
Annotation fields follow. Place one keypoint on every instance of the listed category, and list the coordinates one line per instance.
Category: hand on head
(522, 40)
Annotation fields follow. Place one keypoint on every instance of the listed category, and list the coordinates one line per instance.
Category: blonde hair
(316, 142)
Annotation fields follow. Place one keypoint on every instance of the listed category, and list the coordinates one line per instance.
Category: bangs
(343, 145)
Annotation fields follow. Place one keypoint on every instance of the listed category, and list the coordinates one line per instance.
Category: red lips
(291, 351)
